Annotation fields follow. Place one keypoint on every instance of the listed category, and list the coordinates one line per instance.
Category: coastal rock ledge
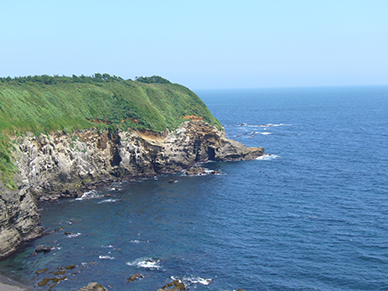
(65, 165)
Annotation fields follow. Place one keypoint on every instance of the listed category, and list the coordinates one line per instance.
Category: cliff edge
(59, 136)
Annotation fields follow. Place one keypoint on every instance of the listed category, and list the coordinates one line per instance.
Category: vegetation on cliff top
(46, 103)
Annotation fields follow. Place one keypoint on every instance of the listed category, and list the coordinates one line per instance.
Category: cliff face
(60, 165)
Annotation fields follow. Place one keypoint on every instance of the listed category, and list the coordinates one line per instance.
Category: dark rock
(134, 277)
(41, 271)
(176, 284)
(93, 287)
(70, 267)
(44, 282)
(42, 249)
(180, 285)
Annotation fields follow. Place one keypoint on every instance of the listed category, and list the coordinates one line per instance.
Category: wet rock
(180, 285)
(57, 280)
(42, 249)
(172, 181)
(93, 287)
(134, 277)
(70, 267)
(44, 282)
(176, 286)
(196, 170)
(41, 271)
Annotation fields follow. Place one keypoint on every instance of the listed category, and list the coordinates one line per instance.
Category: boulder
(134, 277)
(93, 287)
(196, 170)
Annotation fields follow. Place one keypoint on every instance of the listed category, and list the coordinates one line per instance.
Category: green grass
(41, 108)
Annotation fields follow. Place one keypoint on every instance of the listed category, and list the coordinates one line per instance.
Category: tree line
(96, 78)
(56, 79)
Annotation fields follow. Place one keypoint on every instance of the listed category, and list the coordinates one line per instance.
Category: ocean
(311, 216)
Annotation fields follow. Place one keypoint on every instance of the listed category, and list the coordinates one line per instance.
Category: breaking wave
(106, 258)
(89, 195)
(148, 263)
(267, 157)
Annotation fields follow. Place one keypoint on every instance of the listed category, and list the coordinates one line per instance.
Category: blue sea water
(312, 216)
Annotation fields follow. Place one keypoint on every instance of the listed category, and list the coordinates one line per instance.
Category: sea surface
(311, 216)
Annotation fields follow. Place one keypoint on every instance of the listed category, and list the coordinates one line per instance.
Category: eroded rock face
(19, 217)
(60, 165)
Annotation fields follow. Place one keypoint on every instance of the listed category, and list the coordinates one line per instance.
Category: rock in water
(196, 170)
(93, 287)
(134, 277)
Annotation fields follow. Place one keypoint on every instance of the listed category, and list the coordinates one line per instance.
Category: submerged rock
(70, 267)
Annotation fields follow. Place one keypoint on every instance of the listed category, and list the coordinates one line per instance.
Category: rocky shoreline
(61, 165)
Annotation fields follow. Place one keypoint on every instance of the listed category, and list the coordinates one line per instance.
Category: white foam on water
(194, 280)
(108, 201)
(73, 235)
(106, 258)
(135, 241)
(148, 263)
(268, 125)
(267, 157)
(108, 246)
(89, 195)
(114, 189)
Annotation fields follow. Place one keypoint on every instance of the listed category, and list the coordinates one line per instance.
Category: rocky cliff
(65, 165)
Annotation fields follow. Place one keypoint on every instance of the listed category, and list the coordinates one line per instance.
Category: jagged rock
(57, 165)
(134, 277)
(196, 170)
(93, 287)
(42, 249)
(176, 286)
(19, 217)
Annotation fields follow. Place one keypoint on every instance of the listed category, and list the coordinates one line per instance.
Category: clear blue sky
(200, 44)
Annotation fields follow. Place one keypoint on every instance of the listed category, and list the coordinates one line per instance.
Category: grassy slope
(68, 107)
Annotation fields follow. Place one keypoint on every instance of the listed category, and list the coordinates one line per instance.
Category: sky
(200, 44)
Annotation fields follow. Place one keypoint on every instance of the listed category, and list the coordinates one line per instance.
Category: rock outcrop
(93, 287)
(64, 165)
